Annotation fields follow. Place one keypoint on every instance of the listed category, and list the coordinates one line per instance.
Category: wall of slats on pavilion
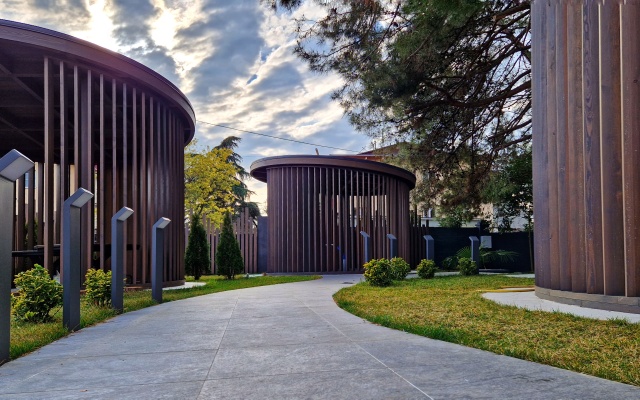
(586, 145)
(123, 142)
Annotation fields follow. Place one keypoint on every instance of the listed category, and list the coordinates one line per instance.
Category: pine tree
(197, 257)
(228, 257)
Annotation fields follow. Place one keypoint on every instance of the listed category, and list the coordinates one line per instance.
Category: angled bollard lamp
(393, 245)
(430, 247)
(117, 257)
(475, 250)
(71, 256)
(12, 166)
(157, 258)
(367, 246)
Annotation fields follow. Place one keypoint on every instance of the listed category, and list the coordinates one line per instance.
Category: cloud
(233, 59)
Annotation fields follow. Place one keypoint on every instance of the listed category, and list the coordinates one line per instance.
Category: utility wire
(275, 137)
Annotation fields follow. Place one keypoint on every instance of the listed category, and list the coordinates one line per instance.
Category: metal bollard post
(157, 258)
(393, 246)
(117, 257)
(12, 166)
(475, 250)
(367, 246)
(430, 247)
(71, 256)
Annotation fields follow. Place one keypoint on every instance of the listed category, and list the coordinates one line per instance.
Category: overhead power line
(275, 137)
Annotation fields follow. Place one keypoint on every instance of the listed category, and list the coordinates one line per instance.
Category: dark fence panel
(518, 242)
(448, 241)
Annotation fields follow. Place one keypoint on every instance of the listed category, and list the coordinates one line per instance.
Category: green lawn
(27, 337)
(452, 309)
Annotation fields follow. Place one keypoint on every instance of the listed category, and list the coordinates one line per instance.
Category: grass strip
(452, 309)
(27, 337)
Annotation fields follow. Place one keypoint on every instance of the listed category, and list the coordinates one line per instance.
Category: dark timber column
(586, 146)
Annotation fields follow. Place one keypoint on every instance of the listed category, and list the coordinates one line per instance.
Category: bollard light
(367, 246)
(71, 257)
(393, 246)
(475, 250)
(12, 166)
(117, 257)
(430, 247)
(157, 258)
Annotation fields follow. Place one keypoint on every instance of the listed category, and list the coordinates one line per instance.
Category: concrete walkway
(283, 341)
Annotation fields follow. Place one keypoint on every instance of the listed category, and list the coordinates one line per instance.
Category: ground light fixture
(13, 165)
(157, 258)
(71, 256)
(117, 257)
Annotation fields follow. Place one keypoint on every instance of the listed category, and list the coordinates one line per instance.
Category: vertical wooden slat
(611, 150)
(631, 148)
(39, 187)
(85, 168)
(144, 191)
(102, 170)
(31, 209)
(592, 124)
(539, 141)
(575, 151)
(64, 160)
(49, 135)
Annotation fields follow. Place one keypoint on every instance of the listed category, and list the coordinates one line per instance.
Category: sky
(232, 58)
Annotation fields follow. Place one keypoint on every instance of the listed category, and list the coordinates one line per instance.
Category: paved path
(283, 341)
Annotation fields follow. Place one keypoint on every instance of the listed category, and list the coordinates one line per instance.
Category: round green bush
(466, 266)
(37, 294)
(378, 272)
(399, 268)
(426, 269)
(98, 287)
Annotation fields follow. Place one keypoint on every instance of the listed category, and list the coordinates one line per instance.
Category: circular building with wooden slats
(586, 142)
(92, 118)
(318, 205)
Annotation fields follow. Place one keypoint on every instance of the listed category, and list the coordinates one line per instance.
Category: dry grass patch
(452, 309)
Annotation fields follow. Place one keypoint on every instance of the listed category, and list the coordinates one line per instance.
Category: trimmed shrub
(38, 294)
(378, 272)
(466, 266)
(196, 258)
(399, 268)
(426, 269)
(98, 287)
(228, 256)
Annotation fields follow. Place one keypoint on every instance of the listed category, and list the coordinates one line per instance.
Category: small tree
(228, 257)
(197, 257)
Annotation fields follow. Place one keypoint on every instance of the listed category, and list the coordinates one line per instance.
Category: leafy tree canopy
(448, 78)
(510, 188)
(209, 180)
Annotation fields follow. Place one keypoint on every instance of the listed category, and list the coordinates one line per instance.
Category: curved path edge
(281, 341)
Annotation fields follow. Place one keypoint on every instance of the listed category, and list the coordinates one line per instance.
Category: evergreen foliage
(426, 269)
(399, 268)
(378, 272)
(229, 261)
(98, 287)
(38, 294)
(448, 82)
(197, 257)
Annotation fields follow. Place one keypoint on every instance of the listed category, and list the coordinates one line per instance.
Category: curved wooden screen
(586, 146)
(317, 207)
(95, 119)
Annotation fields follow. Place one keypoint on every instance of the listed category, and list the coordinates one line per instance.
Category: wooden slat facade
(98, 120)
(586, 142)
(318, 205)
